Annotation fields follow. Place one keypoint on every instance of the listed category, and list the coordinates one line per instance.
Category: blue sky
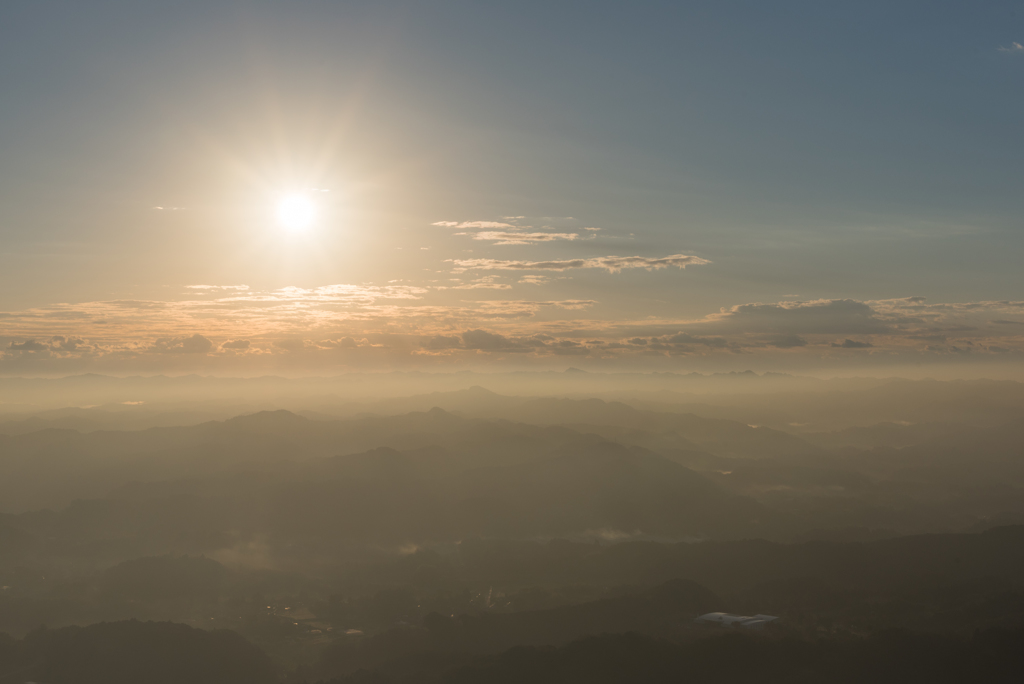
(801, 154)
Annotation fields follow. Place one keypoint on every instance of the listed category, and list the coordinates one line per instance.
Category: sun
(296, 212)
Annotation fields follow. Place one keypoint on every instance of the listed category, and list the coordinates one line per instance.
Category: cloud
(612, 264)
(567, 348)
(788, 342)
(401, 318)
(341, 292)
(473, 224)
(293, 345)
(485, 283)
(571, 304)
(485, 341)
(686, 339)
(130, 328)
(483, 286)
(67, 344)
(852, 344)
(28, 345)
(591, 228)
(58, 343)
(237, 288)
(341, 343)
(123, 304)
(196, 344)
(1014, 47)
(824, 316)
(523, 238)
(440, 342)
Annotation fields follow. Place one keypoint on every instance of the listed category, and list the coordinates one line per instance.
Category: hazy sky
(675, 186)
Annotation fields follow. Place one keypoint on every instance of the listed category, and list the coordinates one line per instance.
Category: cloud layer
(364, 325)
(612, 264)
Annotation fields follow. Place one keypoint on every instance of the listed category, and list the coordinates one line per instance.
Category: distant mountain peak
(481, 391)
(383, 451)
(278, 417)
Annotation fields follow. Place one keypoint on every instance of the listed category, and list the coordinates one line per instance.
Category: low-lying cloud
(787, 341)
(29, 346)
(401, 322)
(196, 344)
(823, 316)
(852, 344)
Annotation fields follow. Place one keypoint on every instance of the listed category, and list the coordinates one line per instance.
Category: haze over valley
(448, 342)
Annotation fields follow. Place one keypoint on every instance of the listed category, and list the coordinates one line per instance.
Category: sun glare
(296, 212)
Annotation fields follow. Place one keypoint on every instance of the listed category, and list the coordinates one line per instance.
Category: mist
(465, 527)
(446, 342)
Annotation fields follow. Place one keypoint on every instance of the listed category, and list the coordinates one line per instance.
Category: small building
(729, 620)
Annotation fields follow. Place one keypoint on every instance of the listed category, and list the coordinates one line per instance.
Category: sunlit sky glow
(306, 188)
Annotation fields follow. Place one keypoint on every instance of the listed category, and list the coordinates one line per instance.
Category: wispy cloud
(485, 283)
(502, 238)
(613, 264)
(345, 292)
(466, 225)
(1013, 47)
(214, 288)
